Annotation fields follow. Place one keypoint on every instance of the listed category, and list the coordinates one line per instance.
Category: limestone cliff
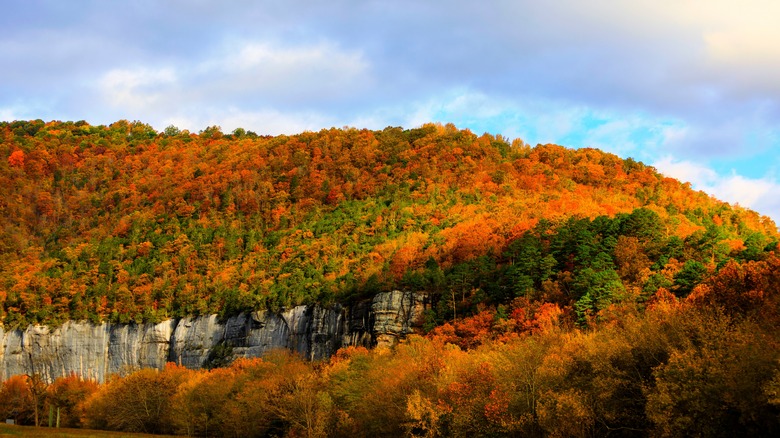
(96, 351)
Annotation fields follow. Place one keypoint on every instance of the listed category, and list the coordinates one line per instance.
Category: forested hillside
(124, 223)
(574, 293)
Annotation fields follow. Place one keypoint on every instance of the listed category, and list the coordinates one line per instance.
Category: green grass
(30, 431)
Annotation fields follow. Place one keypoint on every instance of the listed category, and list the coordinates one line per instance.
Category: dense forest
(574, 293)
(123, 223)
(706, 366)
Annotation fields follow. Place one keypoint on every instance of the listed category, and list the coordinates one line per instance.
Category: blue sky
(687, 86)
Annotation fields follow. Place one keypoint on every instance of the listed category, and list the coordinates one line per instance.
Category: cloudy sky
(690, 87)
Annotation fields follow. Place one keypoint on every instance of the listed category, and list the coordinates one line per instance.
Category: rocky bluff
(96, 351)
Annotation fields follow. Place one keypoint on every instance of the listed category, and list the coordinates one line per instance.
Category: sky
(688, 86)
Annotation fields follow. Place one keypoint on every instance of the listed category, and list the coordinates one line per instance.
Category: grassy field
(29, 431)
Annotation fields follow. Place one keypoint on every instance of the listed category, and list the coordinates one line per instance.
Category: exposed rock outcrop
(395, 315)
(95, 351)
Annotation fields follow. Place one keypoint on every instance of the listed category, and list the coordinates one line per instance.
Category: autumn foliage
(676, 368)
(573, 293)
(123, 223)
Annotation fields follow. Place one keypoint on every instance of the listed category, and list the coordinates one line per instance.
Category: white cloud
(539, 120)
(686, 171)
(138, 88)
(9, 114)
(741, 33)
(262, 121)
(744, 46)
(33, 109)
(759, 194)
(271, 122)
(748, 192)
(253, 76)
(310, 71)
(281, 60)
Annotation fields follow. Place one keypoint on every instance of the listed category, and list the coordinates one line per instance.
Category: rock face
(395, 314)
(96, 351)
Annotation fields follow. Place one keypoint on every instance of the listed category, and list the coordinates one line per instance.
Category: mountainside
(524, 291)
(122, 223)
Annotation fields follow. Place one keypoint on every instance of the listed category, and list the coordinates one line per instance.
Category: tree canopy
(123, 223)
